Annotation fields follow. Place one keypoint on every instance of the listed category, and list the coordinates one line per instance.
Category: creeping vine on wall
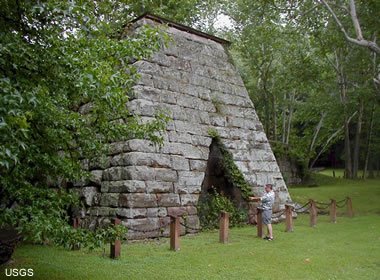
(232, 172)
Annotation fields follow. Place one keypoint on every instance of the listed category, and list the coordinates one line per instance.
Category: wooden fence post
(116, 245)
(289, 218)
(174, 233)
(350, 211)
(224, 227)
(259, 222)
(333, 211)
(313, 213)
(76, 226)
(76, 222)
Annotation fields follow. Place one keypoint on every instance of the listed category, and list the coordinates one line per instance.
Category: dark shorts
(267, 217)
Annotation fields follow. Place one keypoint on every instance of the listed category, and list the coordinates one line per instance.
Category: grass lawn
(349, 249)
(365, 194)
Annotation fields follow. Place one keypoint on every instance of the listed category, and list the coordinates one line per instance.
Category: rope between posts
(341, 206)
(303, 211)
(323, 208)
(189, 227)
(323, 203)
(303, 206)
(278, 215)
(343, 200)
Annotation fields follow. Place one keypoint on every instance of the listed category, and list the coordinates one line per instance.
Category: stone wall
(194, 81)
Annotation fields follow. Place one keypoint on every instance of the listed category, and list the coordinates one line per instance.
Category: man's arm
(254, 198)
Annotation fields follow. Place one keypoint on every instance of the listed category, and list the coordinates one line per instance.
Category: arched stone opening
(216, 179)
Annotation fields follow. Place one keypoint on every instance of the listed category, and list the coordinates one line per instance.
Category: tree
(65, 77)
(304, 79)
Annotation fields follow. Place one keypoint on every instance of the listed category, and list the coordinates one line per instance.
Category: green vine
(212, 204)
(234, 175)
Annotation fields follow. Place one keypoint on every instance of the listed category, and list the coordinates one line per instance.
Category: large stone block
(142, 228)
(140, 145)
(198, 165)
(180, 163)
(157, 212)
(168, 200)
(139, 158)
(178, 137)
(158, 187)
(126, 186)
(147, 93)
(192, 224)
(90, 195)
(189, 199)
(190, 128)
(132, 213)
(109, 199)
(117, 148)
(199, 140)
(165, 175)
(96, 177)
(191, 210)
(141, 173)
(138, 200)
(142, 107)
(190, 178)
(176, 211)
(217, 120)
(183, 189)
(144, 66)
(116, 174)
(102, 211)
(186, 150)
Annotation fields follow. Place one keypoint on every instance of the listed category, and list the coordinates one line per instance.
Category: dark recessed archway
(215, 177)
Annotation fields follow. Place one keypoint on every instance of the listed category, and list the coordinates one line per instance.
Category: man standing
(267, 201)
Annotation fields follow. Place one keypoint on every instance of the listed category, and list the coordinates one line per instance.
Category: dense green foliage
(231, 171)
(314, 91)
(210, 207)
(65, 77)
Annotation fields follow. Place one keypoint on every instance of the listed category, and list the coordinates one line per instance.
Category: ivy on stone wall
(212, 204)
(232, 172)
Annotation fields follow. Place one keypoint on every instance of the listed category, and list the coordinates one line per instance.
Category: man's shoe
(270, 239)
(266, 237)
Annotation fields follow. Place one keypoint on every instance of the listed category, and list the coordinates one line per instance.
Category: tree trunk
(291, 109)
(347, 151)
(342, 81)
(274, 117)
(355, 167)
(335, 134)
(316, 132)
(368, 146)
(284, 120)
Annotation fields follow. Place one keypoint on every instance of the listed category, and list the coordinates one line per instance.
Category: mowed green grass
(349, 249)
(365, 194)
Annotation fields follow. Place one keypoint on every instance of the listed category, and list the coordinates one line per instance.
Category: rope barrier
(343, 200)
(326, 205)
(189, 227)
(303, 211)
(303, 206)
(341, 206)
(323, 203)
(278, 215)
(324, 208)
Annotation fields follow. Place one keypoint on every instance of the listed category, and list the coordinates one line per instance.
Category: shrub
(210, 206)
